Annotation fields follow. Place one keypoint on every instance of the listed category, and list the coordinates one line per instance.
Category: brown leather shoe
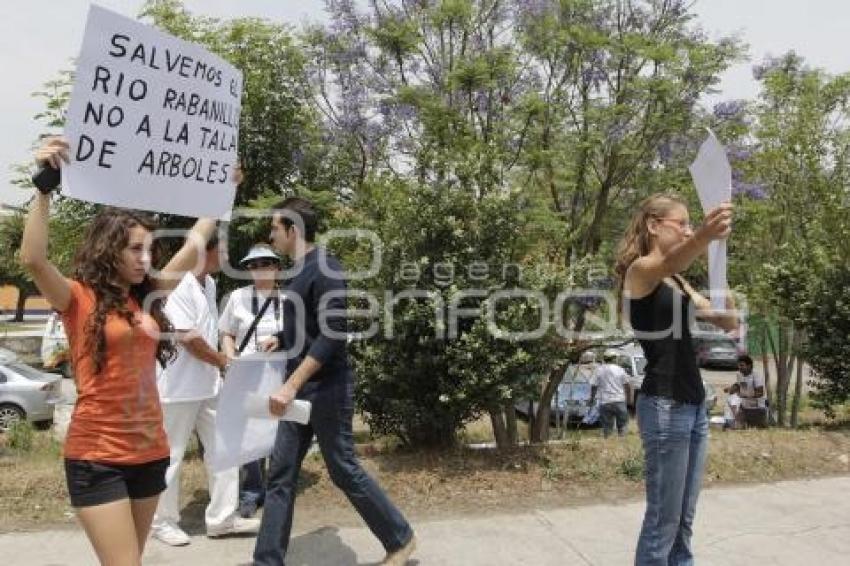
(400, 556)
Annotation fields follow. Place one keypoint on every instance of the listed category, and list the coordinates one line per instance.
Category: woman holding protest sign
(671, 411)
(116, 452)
(252, 314)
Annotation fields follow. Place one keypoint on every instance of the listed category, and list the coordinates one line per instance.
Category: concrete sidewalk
(789, 523)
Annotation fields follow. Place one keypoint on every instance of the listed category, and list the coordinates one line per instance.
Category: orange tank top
(117, 418)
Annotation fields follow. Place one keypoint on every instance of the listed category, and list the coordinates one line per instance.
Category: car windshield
(579, 391)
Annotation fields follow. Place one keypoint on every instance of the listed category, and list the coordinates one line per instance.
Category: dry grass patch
(580, 469)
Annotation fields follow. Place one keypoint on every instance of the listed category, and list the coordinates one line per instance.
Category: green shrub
(632, 466)
(20, 436)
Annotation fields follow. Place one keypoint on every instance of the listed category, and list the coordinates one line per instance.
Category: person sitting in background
(752, 392)
(732, 407)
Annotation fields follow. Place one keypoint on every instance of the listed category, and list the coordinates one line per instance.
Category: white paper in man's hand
(240, 438)
(712, 176)
(257, 407)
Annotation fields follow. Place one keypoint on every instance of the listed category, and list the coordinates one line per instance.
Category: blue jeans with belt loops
(675, 444)
(331, 422)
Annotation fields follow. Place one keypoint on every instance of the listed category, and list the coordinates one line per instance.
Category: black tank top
(671, 368)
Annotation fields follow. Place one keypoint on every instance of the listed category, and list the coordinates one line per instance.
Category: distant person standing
(610, 388)
(658, 244)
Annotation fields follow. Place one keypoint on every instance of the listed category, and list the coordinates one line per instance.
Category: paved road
(785, 524)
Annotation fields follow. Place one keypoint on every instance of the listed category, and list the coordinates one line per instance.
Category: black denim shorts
(95, 483)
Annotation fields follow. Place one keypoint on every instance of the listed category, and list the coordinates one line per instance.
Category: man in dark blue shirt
(314, 339)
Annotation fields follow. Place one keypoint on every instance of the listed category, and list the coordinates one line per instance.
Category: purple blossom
(790, 62)
(343, 16)
(617, 131)
(754, 191)
(677, 8)
(676, 147)
(733, 110)
(665, 152)
(481, 101)
(738, 153)
(534, 8)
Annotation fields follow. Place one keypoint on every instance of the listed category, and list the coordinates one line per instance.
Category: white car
(27, 394)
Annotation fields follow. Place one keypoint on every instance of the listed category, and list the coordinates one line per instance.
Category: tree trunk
(766, 367)
(510, 422)
(798, 387)
(20, 307)
(779, 350)
(540, 428)
(500, 431)
(784, 367)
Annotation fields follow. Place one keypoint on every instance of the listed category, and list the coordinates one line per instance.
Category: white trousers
(180, 420)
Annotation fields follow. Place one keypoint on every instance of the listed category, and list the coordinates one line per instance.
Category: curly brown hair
(96, 265)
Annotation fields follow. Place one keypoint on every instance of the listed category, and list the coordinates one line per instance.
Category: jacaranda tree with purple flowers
(565, 103)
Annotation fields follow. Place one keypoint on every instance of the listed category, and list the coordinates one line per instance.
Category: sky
(39, 37)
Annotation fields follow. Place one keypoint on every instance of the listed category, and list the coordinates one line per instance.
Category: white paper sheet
(712, 176)
(257, 407)
(240, 436)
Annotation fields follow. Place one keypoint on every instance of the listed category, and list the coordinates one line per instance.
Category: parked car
(716, 350)
(7, 356)
(55, 353)
(27, 394)
(571, 402)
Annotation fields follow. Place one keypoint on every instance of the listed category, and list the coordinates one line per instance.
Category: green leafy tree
(799, 152)
(435, 364)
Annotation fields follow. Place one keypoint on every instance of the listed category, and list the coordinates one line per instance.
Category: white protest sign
(712, 176)
(153, 121)
(244, 428)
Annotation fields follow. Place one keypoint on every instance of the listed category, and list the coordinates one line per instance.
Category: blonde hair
(637, 241)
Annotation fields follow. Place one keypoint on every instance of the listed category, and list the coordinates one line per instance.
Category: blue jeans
(330, 420)
(253, 488)
(610, 413)
(675, 443)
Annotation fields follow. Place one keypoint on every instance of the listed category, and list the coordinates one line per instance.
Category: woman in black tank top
(671, 412)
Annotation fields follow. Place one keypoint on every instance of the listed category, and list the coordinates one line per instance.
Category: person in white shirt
(260, 302)
(732, 407)
(610, 385)
(188, 389)
(752, 392)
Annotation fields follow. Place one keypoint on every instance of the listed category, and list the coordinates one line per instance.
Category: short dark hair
(303, 209)
(746, 359)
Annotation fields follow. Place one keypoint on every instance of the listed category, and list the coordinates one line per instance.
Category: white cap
(259, 252)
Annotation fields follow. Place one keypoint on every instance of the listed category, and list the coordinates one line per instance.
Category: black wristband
(46, 179)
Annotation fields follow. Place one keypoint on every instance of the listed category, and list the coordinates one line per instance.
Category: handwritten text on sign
(153, 121)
